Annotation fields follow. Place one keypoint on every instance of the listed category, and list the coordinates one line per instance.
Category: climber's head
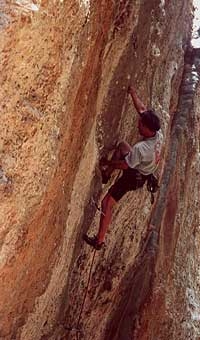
(148, 124)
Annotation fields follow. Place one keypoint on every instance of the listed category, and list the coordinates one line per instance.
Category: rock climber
(137, 163)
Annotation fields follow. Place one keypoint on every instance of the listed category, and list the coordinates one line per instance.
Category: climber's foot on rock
(93, 242)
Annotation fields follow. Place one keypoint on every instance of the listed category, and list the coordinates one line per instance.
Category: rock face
(65, 68)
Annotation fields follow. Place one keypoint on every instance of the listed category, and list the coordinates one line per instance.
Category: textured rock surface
(65, 67)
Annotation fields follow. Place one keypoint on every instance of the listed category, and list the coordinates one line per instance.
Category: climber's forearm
(140, 107)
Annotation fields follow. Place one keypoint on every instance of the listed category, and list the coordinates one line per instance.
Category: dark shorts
(131, 179)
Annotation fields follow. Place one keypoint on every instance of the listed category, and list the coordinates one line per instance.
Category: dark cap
(150, 120)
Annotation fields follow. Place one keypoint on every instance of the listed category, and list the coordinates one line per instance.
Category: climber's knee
(124, 148)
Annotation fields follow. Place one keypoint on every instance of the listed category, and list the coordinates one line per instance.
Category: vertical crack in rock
(139, 281)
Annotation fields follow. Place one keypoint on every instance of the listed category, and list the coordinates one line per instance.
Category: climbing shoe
(92, 241)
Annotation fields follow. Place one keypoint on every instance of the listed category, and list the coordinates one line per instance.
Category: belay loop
(152, 186)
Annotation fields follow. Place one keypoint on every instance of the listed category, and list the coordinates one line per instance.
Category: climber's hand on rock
(131, 89)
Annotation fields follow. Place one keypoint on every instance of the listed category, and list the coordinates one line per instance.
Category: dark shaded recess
(109, 120)
(135, 288)
(137, 283)
(179, 127)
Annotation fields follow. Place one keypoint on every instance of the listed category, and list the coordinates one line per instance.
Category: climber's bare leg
(106, 206)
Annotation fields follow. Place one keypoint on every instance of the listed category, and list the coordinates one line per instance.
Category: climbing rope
(77, 328)
(86, 292)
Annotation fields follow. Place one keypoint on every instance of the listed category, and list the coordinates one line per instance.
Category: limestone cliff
(65, 67)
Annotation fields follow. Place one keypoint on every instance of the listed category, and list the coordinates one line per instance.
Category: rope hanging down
(86, 291)
(77, 328)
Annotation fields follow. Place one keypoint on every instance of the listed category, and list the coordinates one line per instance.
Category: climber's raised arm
(139, 106)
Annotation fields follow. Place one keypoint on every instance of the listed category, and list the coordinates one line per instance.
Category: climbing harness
(78, 329)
